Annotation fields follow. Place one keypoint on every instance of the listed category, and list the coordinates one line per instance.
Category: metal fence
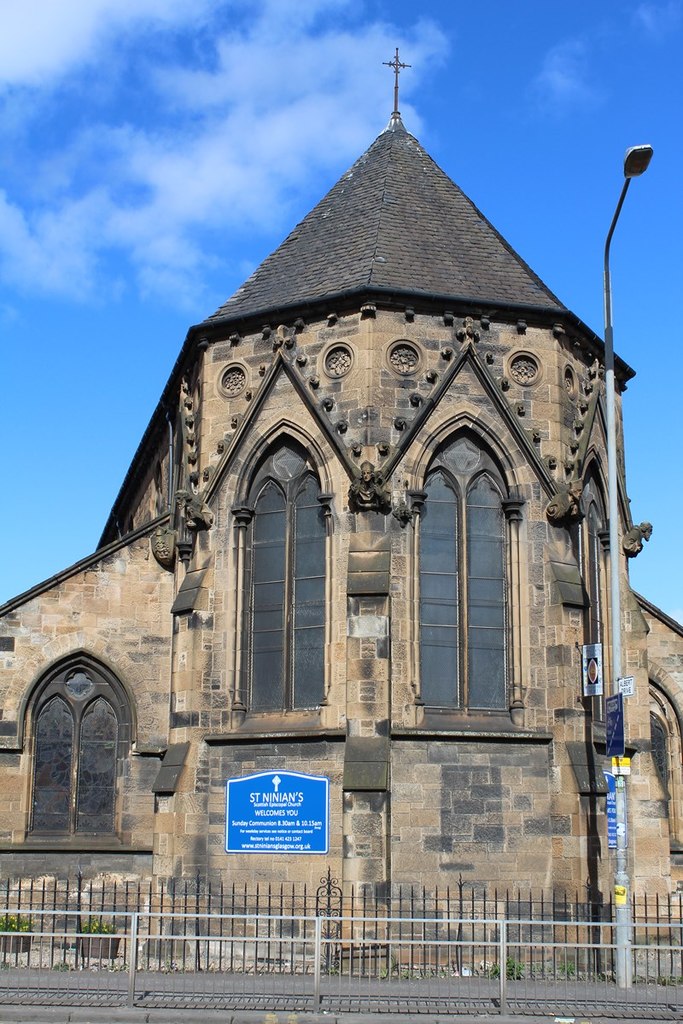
(73, 896)
(84, 946)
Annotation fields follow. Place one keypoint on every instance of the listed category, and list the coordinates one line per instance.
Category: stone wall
(498, 798)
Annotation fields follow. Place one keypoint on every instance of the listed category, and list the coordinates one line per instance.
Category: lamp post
(636, 162)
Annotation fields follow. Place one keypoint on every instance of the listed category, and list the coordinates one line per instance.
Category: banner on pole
(591, 669)
(611, 809)
(614, 725)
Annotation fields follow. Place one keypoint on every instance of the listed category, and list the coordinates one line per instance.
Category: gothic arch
(79, 721)
(282, 566)
(79, 656)
(279, 433)
(483, 432)
(467, 574)
(667, 749)
(593, 468)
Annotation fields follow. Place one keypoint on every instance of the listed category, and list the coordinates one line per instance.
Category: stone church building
(364, 539)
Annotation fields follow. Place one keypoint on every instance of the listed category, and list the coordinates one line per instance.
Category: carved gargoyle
(369, 491)
(163, 544)
(633, 540)
(198, 515)
(565, 507)
(402, 512)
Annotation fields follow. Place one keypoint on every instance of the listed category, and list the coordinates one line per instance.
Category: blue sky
(155, 151)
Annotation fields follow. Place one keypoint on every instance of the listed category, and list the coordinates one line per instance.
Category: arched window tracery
(463, 586)
(81, 727)
(667, 756)
(593, 537)
(285, 584)
(595, 526)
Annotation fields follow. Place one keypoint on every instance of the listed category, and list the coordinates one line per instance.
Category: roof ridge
(391, 127)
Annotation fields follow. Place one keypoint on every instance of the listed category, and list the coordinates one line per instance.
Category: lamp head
(637, 160)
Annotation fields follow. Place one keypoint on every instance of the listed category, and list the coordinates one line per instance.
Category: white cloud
(289, 95)
(658, 20)
(564, 79)
(53, 251)
(46, 39)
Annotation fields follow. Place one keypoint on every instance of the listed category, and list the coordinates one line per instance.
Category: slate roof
(394, 221)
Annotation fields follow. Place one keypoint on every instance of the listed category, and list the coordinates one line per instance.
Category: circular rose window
(338, 361)
(524, 370)
(233, 380)
(404, 358)
(570, 381)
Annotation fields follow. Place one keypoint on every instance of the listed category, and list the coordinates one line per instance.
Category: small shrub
(97, 926)
(15, 923)
(514, 970)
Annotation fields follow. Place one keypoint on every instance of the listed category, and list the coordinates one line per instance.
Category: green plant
(514, 970)
(15, 923)
(97, 926)
(566, 969)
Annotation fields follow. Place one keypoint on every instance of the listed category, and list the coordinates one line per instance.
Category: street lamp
(636, 162)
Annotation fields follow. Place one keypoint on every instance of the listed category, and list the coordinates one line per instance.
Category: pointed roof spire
(398, 67)
(393, 223)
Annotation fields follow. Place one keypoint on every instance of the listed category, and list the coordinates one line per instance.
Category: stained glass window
(593, 569)
(78, 746)
(485, 596)
(660, 753)
(287, 585)
(439, 599)
(97, 768)
(52, 784)
(463, 627)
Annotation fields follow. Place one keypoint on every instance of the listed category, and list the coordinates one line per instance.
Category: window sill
(494, 725)
(290, 726)
(85, 844)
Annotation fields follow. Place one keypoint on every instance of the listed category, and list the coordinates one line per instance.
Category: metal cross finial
(398, 67)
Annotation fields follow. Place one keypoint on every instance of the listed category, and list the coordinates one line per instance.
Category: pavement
(120, 1015)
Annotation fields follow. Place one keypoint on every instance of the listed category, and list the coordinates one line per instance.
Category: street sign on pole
(614, 724)
(627, 685)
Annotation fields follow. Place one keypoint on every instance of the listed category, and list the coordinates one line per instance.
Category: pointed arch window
(594, 574)
(594, 535)
(463, 620)
(81, 725)
(667, 757)
(286, 585)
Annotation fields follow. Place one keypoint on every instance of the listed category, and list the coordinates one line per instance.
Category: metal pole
(133, 954)
(317, 963)
(622, 900)
(503, 958)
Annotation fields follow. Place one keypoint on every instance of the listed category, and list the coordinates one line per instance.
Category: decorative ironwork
(328, 896)
(397, 66)
(329, 905)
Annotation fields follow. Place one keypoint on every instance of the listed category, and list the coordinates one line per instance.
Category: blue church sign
(277, 812)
